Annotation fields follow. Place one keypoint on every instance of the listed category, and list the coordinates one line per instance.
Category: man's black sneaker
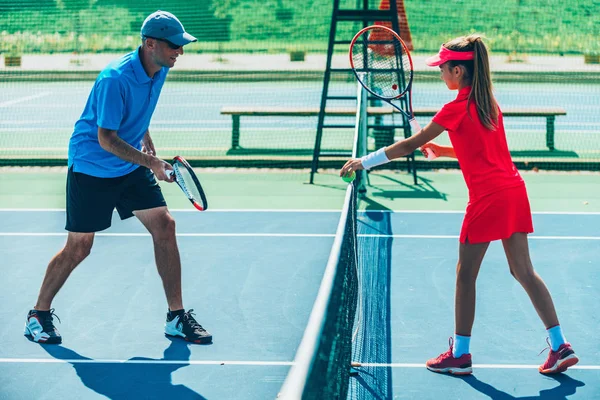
(40, 328)
(185, 326)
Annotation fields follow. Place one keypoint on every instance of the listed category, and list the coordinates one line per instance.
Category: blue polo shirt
(123, 99)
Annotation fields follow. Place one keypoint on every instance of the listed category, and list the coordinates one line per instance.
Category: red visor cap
(445, 55)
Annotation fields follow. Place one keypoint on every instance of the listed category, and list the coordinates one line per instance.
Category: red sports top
(482, 154)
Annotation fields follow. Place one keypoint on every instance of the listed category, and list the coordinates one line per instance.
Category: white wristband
(374, 159)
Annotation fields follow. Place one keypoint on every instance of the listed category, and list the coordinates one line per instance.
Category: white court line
(27, 122)
(292, 210)
(254, 363)
(22, 99)
(186, 210)
(304, 235)
(184, 129)
(156, 362)
(532, 237)
(66, 149)
(142, 234)
(194, 211)
(153, 123)
(482, 366)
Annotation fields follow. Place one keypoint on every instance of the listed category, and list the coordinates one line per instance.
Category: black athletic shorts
(91, 200)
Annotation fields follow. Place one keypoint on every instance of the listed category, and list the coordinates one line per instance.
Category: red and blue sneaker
(445, 363)
(559, 360)
(40, 328)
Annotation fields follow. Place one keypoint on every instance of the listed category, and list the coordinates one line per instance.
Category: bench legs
(235, 132)
(550, 132)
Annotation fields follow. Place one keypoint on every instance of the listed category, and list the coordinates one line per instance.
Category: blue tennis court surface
(252, 278)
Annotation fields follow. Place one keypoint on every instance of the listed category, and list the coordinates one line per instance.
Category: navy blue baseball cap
(164, 25)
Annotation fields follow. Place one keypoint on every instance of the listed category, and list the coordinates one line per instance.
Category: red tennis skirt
(497, 216)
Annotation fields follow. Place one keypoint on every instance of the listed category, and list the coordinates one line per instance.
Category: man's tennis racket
(188, 182)
(382, 64)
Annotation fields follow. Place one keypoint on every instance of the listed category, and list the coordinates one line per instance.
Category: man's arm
(148, 144)
(111, 142)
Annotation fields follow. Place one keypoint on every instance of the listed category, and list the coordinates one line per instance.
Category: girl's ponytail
(478, 70)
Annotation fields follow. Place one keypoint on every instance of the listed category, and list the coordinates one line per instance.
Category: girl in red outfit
(498, 207)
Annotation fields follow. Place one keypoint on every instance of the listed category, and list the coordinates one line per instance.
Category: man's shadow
(567, 387)
(133, 379)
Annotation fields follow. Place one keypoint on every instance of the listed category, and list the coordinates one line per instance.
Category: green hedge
(531, 26)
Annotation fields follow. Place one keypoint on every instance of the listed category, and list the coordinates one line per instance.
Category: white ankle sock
(556, 337)
(461, 345)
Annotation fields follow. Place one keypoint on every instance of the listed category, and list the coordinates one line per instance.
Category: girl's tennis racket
(188, 182)
(382, 64)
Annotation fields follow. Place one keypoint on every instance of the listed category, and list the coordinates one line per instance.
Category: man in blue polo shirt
(112, 164)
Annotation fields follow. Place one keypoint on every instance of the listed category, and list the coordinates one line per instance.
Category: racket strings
(186, 182)
(180, 179)
(385, 62)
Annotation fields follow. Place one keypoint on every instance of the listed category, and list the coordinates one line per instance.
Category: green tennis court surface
(37, 187)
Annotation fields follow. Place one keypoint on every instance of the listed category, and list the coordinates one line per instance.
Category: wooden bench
(236, 112)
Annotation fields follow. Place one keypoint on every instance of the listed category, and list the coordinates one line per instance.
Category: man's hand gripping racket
(382, 64)
(186, 179)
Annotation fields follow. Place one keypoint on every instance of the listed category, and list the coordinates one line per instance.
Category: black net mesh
(322, 369)
(372, 330)
(330, 371)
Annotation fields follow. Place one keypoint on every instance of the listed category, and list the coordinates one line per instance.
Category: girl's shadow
(131, 380)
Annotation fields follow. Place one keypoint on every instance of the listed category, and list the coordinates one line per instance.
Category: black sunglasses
(170, 44)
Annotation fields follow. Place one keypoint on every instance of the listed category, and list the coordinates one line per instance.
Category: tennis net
(372, 336)
(321, 368)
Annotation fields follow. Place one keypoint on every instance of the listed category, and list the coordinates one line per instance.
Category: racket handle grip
(414, 125)
(430, 154)
(169, 172)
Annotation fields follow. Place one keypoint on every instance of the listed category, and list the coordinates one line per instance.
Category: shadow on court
(130, 380)
(423, 190)
(567, 387)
